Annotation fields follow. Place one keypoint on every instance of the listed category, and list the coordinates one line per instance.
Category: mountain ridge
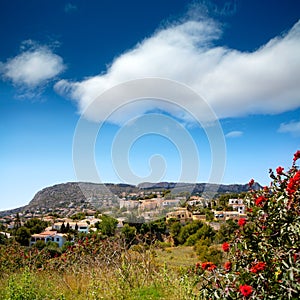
(66, 194)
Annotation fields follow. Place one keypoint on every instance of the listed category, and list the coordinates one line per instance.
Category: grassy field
(155, 274)
(176, 257)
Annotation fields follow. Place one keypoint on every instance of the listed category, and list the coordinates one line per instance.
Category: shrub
(263, 259)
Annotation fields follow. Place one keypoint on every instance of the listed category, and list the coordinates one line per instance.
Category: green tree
(2, 239)
(63, 228)
(23, 235)
(174, 229)
(107, 226)
(17, 222)
(205, 232)
(129, 233)
(189, 230)
(67, 227)
(36, 225)
(78, 216)
(39, 245)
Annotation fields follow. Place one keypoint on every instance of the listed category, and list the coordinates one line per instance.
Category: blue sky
(57, 59)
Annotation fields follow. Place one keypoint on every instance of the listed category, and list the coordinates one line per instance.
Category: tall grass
(135, 274)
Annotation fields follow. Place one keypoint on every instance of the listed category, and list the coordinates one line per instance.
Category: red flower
(246, 290)
(251, 182)
(208, 266)
(227, 266)
(242, 222)
(295, 256)
(260, 266)
(259, 201)
(293, 184)
(279, 170)
(296, 155)
(225, 247)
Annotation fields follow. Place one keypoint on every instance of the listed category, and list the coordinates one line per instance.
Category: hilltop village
(134, 208)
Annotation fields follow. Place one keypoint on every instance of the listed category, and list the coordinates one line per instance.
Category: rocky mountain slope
(107, 195)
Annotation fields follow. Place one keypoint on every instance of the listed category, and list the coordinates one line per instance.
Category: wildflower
(246, 290)
(251, 182)
(242, 222)
(259, 201)
(208, 266)
(279, 170)
(260, 266)
(225, 247)
(227, 266)
(296, 155)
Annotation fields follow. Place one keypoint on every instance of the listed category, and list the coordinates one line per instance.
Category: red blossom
(260, 266)
(225, 247)
(295, 256)
(293, 184)
(208, 266)
(260, 200)
(296, 155)
(246, 290)
(242, 222)
(279, 170)
(227, 266)
(251, 182)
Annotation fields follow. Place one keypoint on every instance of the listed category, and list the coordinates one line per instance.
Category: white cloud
(234, 134)
(33, 67)
(292, 127)
(234, 83)
(70, 8)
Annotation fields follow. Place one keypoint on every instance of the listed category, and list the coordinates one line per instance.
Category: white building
(238, 205)
(171, 203)
(48, 236)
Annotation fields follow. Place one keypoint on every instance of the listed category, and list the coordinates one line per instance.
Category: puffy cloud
(233, 83)
(234, 134)
(292, 127)
(33, 67)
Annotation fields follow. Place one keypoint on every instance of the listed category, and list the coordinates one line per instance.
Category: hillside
(107, 195)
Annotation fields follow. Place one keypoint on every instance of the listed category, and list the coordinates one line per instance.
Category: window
(57, 239)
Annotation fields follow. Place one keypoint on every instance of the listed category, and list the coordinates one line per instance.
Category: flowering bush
(263, 257)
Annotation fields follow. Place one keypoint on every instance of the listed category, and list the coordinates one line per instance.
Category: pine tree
(68, 227)
(63, 227)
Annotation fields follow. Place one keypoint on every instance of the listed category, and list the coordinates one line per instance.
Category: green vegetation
(255, 258)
